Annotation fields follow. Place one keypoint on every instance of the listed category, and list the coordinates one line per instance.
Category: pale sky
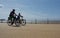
(31, 9)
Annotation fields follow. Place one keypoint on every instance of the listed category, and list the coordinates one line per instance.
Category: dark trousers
(13, 19)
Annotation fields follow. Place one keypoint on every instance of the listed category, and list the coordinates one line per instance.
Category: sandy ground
(30, 31)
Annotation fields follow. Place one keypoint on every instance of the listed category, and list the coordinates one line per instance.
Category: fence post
(47, 21)
(35, 21)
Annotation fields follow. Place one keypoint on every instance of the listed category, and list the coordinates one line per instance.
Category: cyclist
(12, 15)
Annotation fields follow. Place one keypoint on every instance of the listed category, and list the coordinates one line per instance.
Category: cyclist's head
(13, 9)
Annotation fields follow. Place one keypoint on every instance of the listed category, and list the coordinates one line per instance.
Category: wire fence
(44, 21)
(35, 21)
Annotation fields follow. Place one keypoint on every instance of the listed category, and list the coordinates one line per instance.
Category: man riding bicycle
(14, 18)
(12, 15)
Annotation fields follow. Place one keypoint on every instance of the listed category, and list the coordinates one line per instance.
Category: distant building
(2, 20)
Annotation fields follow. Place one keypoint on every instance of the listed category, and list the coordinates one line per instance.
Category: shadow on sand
(15, 26)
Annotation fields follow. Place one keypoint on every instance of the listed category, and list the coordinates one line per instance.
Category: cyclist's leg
(12, 19)
(20, 21)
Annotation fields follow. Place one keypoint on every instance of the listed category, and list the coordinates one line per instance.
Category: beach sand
(30, 31)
